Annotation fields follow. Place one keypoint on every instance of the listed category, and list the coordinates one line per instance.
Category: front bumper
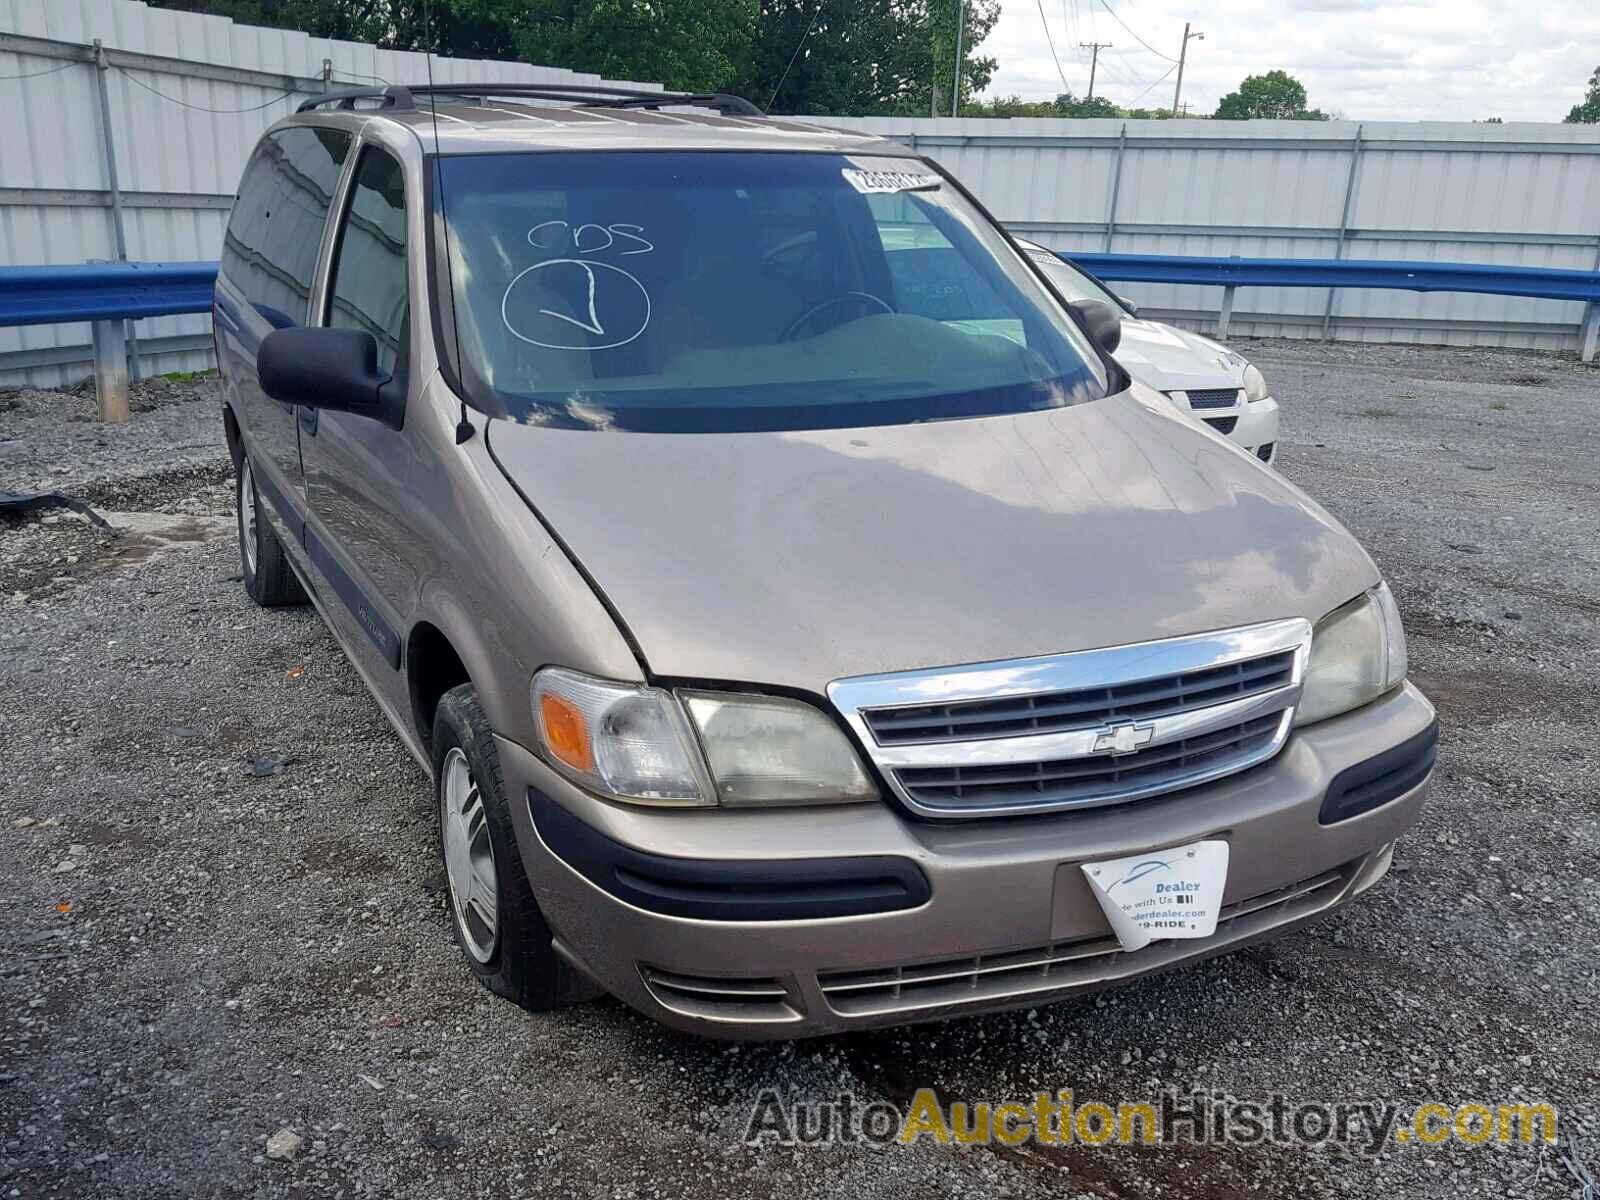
(1257, 430)
(1007, 917)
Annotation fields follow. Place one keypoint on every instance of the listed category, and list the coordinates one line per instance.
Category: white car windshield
(702, 292)
(1072, 283)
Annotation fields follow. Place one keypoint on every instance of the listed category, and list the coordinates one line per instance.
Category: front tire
(269, 580)
(493, 914)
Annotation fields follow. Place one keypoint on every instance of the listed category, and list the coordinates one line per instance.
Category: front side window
(275, 231)
(369, 291)
(706, 292)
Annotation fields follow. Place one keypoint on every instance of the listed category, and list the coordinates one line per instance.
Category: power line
(796, 54)
(36, 74)
(1051, 42)
(278, 99)
(1154, 85)
(1133, 35)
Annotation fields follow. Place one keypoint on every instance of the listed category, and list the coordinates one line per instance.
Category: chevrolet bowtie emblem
(1123, 738)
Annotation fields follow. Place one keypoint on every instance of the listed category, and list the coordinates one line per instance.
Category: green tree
(830, 57)
(699, 45)
(1587, 113)
(1275, 95)
(864, 57)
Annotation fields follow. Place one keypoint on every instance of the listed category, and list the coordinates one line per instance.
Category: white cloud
(1379, 60)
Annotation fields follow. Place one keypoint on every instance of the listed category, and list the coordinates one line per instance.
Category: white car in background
(1219, 386)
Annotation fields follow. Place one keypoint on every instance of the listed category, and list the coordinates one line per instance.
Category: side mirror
(1133, 309)
(1101, 320)
(336, 369)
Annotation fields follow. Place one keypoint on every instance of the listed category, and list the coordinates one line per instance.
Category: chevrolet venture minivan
(805, 623)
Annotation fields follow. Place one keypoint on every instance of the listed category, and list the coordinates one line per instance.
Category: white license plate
(1174, 893)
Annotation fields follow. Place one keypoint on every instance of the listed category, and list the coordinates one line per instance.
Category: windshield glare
(725, 292)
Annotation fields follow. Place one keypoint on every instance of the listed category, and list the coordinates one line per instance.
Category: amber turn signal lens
(565, 732)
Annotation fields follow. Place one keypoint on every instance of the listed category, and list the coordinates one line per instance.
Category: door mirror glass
(335, 369)
(1102, 321)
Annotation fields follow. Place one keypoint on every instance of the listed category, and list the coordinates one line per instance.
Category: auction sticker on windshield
(875, 182)
(1175, 893)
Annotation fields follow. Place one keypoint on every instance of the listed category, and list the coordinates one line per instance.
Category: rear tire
(506, 941)
(269, 580)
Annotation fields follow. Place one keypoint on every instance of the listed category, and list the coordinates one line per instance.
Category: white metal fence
(1524, 194)
(123, 132)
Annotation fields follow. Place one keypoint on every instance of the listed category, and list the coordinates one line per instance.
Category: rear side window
(369, 290)
(275, 232)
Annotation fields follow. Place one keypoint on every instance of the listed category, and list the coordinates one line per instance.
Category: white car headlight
(636, 743)
(1358, 652)
(1255, 385)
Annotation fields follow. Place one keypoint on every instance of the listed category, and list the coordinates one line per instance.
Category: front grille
(1048, 712)
(1160, 768)
(1213, 397)
(1100, 726)
(1222, 424)
(761, 998)
(1065, 964)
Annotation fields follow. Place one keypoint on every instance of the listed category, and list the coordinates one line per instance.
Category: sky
(1378, 60)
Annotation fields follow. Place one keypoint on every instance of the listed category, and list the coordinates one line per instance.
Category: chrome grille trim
(1104, 671)
(1099, 779)
(1061, 711)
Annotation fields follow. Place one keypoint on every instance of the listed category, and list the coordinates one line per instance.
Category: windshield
(1072, 283)
(723, 292)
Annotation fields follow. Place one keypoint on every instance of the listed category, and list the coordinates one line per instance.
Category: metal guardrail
(104, 291)
(1546, 283)
(106, 294)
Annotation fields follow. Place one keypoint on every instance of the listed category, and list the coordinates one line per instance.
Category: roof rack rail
(402, 96)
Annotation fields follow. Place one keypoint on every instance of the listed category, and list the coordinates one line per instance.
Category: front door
(362, 534)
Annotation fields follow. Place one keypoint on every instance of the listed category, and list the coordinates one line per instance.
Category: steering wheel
(804, 318)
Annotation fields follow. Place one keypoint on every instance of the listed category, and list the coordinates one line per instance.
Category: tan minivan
(804, 621)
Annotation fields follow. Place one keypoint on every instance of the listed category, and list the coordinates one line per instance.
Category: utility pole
(1094, 49)
(1183, 54)
(955, 90)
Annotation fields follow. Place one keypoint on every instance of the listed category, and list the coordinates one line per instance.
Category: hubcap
(247, 515)
(468, 857)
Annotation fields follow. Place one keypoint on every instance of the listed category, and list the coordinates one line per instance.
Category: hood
(793, 559)
(1167, 358)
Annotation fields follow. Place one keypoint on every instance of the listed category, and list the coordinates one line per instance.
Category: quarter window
(369, 290)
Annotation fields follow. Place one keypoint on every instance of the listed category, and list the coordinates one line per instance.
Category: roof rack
(403, 96)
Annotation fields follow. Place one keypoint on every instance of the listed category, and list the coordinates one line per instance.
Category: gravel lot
(194, 956)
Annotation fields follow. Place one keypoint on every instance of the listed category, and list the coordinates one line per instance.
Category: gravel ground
(195, 956)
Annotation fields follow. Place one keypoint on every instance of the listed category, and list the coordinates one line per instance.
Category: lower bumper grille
(1222, 424)
(1066, 964)
(1162, 768)
(761, 998)
(1264, 451)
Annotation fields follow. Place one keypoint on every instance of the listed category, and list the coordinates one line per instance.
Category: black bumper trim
(724, 890)
(1382, 778)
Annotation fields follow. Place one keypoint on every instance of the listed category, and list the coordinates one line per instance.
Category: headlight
(1358, 652)
(637, 743)
(1255, 386)
(767, 750)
